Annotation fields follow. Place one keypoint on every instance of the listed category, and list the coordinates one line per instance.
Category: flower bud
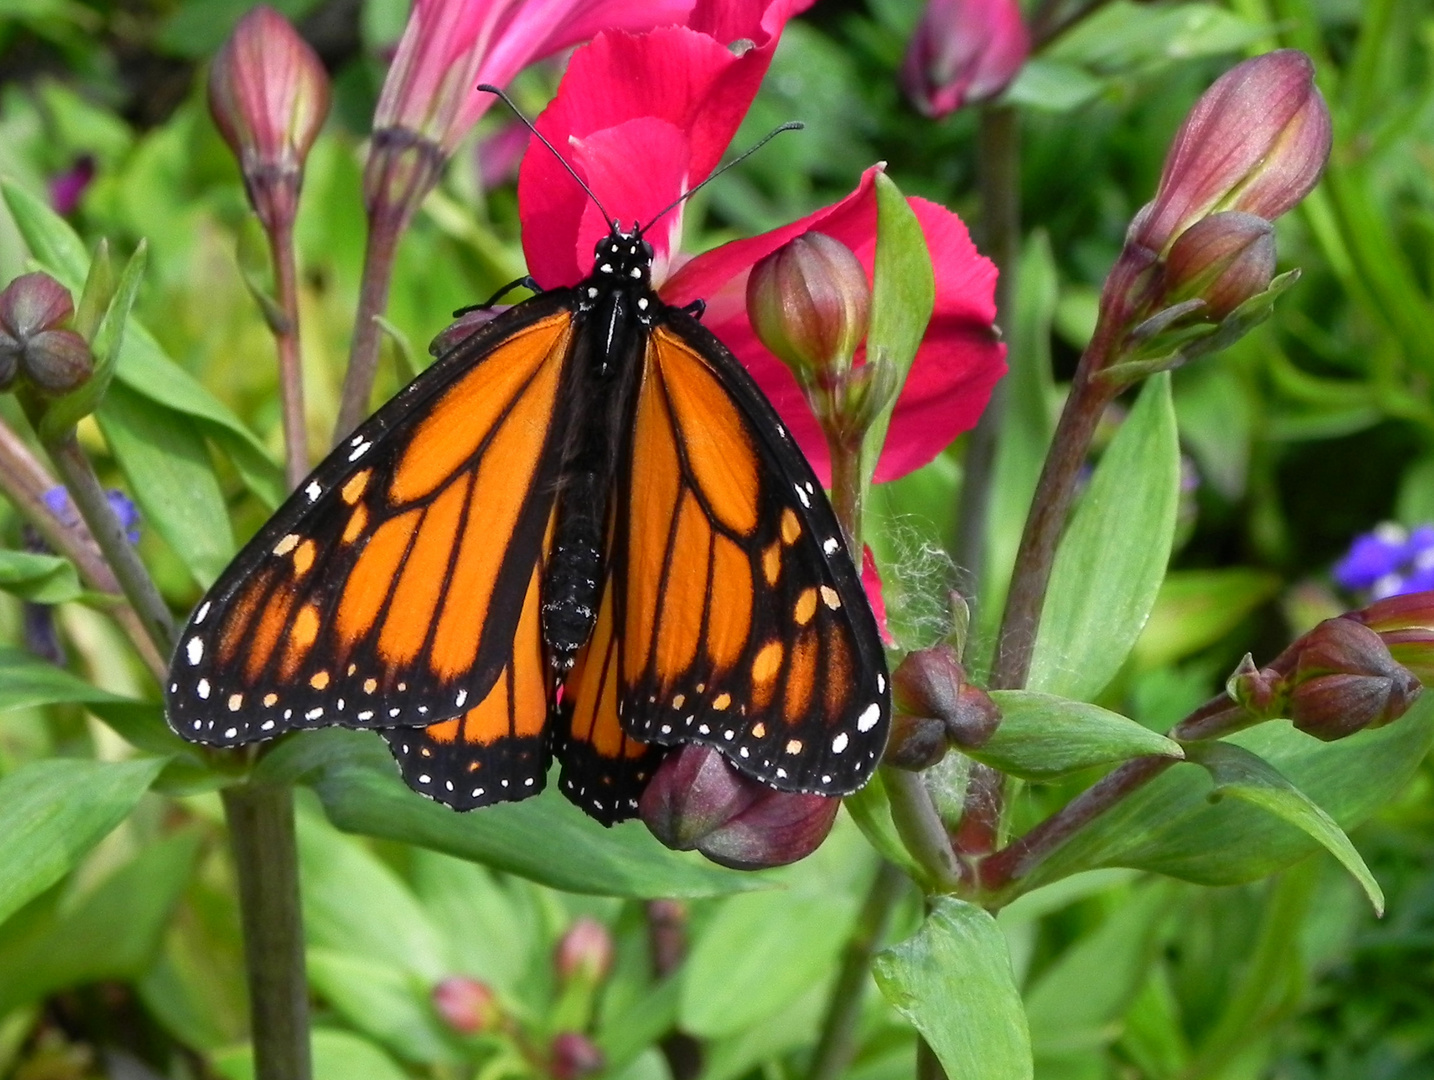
(915, 742)
(584, 952)
(809, 302)
(573, 1056)
(962, 52)
(1224, 260)
(1259, 692)
(696, 799)
(466, 1005)
(33, 344)
(1256, 141)
(269, 94)
(67, 188)
(932, 683)
(1405, 623)
(1345, 680)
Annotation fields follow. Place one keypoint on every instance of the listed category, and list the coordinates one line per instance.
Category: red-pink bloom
(1256, 141)
(672, 100)
(963, 52)
(450, 46)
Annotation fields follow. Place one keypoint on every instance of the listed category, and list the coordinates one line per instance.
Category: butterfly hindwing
(388, 590)
(499, 749)
(743, 623)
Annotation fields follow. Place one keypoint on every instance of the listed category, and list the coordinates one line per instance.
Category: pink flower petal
(956, 367)
(871, 582)
(695, 81)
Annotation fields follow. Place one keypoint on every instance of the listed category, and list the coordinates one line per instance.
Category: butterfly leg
(522, 283)
(696, 309)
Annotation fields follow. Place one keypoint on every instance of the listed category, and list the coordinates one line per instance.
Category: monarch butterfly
(582, 533)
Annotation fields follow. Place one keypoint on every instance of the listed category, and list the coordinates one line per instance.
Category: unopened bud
(915, 743)
(1346, 680)
(269, 94)
(573, 1056)
(1259, 692)
(809, 302)
(584, 952)
(1256, 141)
(932, 683)
(1224, 260)
(1405, 623)
(466, 1005)
(34, 344)
(963, 52)
(696, 799)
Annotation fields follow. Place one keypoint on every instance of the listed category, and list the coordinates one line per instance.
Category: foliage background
(1316, 427)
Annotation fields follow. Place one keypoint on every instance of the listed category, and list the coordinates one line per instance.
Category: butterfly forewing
(744, 624)
(388, 590)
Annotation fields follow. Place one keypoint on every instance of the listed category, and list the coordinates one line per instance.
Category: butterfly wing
(738, 618)
(499, 749)
(392, 588)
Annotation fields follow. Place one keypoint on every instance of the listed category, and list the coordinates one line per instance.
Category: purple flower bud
(269, 94)
(932, 683)
(33, 344)
(1256, 141)
(466, 1005)
(809, 302)
(1260, 692)
(962, 52)
(67, 187)
(915, 742)
(584, 952)
(1346, 680)
(573, 1056)
(696, 799)
(1405, 624)
(1224, 260)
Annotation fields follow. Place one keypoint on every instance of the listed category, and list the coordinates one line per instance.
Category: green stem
(24, 480)
(1089, 395)
(291, 372)
(847, 500)
(837, 1044)
(266, 860)
(384, 232)
(999, 168)
(920, 828)
(134, 580)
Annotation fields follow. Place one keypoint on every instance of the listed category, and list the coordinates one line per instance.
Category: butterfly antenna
(489, 88)
(790, 125)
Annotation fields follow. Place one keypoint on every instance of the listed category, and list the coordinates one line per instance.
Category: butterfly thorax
(617, 303)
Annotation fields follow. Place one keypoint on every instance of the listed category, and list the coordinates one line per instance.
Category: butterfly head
(623, 258)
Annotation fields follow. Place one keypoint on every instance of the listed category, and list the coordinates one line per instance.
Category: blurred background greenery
(1312, 430)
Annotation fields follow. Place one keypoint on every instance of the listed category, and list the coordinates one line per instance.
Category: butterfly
(582, 533)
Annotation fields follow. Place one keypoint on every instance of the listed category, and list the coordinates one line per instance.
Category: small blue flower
(57, 499)
(1388, 561)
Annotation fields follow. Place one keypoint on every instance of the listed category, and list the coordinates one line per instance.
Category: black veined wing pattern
(426, 579)
(390, 588)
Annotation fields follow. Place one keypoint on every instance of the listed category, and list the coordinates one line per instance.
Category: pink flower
(962, 52)
(672, 99)
(450, 46)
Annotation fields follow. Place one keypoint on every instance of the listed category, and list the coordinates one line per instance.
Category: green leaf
(1112, 558)
(1125, 36)
(1170, 826)
(544, 839)
(26, 682)
(1196, 608)
(953, 981)
(757, 955)
(166, 463)
(903, 296)
(1246, 776)
(142, 365)
(112, 932)
(1041, 737)
(44, 579)
(1078, 1000)
(338, 1055)
(870, 808)
(388, 1004)
(53, 812)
